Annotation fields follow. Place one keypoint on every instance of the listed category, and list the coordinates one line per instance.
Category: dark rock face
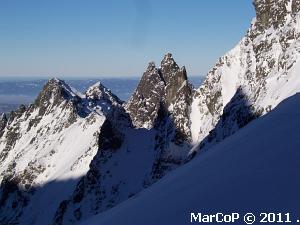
(177, 97)
(270, 12)
(174, 77)
(110, 137)
(274, 12)
(295, 6)
(9, 189)
(145, 101)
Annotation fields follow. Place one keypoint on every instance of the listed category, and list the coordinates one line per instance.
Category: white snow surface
(254, 170)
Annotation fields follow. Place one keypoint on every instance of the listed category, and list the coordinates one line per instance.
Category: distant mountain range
(24, 91)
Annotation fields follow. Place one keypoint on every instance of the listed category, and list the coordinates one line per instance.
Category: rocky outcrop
(144, 104)
(274, 13)
(166, 87)
(271, 12)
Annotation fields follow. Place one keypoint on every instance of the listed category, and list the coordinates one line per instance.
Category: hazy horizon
(83, 77)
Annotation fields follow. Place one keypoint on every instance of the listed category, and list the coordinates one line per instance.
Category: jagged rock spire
(174, 77)
(168, 67)
(144, 104)
(161, 90)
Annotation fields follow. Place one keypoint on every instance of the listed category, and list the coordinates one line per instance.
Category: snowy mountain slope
(138, 145)
(52, 140)
(264, 67)
(255, 170)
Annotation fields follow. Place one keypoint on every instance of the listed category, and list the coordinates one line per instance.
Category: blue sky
(116, 37)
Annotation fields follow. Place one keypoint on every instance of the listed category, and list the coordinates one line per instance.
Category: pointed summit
(151, 66)
(54, 92)
(144, 104)
(98, 92)
(168, 61)
(173, 76)
(168, 67)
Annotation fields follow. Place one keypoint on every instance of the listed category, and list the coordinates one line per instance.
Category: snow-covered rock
(51, 141)
(263, 69)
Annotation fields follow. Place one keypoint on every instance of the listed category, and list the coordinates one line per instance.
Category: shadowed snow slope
(254, 170)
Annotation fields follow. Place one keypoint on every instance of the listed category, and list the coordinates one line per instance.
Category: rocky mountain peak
(158, 88)
(165, 89)
(99, 92)
(168, 68)
(144, 104)
(54, 92)
(168, 60)
(96, 91)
